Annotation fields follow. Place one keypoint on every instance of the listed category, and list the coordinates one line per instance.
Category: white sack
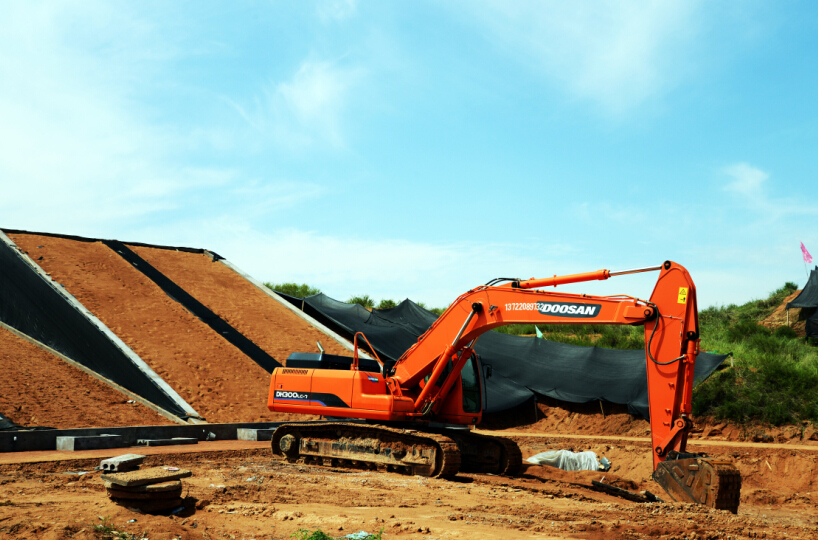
(567, 460)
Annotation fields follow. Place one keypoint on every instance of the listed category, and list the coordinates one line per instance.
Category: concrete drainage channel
(123, 437)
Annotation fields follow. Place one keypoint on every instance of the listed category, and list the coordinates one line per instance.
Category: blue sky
(418, 149)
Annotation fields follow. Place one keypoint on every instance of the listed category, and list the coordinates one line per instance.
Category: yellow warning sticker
(683, 295)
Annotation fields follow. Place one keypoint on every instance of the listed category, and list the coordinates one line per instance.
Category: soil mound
(39, 389)
(268, 324)
(213, 376)
(797, 316)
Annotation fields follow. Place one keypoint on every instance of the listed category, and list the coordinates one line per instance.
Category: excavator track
(487, 454)
(701, 480)
(360, 446)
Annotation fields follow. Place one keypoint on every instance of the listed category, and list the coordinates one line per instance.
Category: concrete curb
(27, 441)
(245, 434)
(93, 442)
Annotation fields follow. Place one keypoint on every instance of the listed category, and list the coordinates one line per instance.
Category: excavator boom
(439, 379)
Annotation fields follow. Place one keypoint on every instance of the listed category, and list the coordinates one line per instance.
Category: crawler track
(368, 447)
(487, 454)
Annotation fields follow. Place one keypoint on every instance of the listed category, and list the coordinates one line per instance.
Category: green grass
(774, 376)
(586, 335)
(107, 531)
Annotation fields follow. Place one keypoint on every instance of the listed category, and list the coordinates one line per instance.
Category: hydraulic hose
(650, 340)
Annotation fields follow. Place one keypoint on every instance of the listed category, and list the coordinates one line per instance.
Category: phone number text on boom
(521, 306)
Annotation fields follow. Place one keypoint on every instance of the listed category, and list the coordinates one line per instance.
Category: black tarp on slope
(809, 295)
(521, 364)
(32, 306)
(809, 299)
(7, 424)
(205, 314)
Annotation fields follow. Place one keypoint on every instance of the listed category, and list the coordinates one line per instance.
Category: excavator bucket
(693, 478)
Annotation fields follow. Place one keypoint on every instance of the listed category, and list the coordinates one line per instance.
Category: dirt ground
(39, 389)
(245, 493)
(215, 378)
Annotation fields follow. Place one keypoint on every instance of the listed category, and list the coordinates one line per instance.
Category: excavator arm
(670, 320)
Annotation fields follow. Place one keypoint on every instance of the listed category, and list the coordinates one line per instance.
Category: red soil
(797, 317)
(39, 389)
(267, 323)
(215, 378)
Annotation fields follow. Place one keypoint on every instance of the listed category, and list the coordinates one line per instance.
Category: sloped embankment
(39, 389)
(213, 376)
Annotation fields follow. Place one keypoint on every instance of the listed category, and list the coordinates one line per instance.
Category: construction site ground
(240, 491)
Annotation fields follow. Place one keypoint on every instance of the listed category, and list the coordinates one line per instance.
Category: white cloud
(617, 54)
(336, 10)
(76, 148)
(82, 149)
(306, 110)
(747, 179)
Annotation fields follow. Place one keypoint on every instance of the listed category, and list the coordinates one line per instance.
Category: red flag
(807, 256)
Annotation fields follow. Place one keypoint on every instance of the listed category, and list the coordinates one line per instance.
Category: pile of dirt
(549, 415)
(39, 389)
(797, 317)
(213, 376)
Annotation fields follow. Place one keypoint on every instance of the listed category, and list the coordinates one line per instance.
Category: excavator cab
(464, 404)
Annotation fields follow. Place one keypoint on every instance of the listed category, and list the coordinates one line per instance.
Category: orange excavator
(412, 410)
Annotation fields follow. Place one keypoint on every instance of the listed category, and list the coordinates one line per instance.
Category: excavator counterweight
(440, 381)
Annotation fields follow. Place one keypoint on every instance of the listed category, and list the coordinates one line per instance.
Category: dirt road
(239, 491)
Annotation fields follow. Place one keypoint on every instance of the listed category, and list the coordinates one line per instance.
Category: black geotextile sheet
(7, 424)
(812, 326)
(809, 295)
(32, 306)
(205, 314)
(520, 364)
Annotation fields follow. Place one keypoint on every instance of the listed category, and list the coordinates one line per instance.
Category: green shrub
(745, 329)
(785, 332)
(306, 534)
(293, 289)
(363, 300)
(387, 304)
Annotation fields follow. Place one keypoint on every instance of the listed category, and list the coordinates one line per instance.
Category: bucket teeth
(701, 480)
